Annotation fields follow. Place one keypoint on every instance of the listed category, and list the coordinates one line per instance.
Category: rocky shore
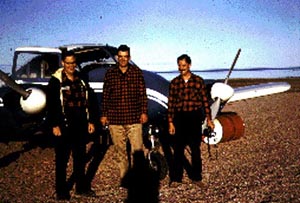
(263, 166)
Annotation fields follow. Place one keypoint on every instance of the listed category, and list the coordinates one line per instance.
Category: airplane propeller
(33, 100)
(221, 93)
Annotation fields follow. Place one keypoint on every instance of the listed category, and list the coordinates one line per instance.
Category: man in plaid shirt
(187, 108)
(124, 106)
(72, 114)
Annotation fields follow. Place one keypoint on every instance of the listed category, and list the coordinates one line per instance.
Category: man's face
(69, 64)
(183, 67)
(123, 58)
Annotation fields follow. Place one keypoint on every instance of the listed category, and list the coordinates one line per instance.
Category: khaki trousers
(120, 134)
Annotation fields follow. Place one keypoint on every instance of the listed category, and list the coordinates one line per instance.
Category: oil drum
(228, 126)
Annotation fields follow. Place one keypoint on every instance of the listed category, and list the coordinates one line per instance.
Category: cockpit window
(36, 65)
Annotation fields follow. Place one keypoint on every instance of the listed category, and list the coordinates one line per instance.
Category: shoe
(200, 184)
(88, 193)
(66, 196)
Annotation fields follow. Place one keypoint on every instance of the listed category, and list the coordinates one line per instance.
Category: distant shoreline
(236, 82)
(235, 69)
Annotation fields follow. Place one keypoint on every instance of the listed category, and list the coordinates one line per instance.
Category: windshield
(35, 65)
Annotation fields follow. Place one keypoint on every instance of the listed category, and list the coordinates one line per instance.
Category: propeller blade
(214, 108)
(232, 65)
(13, 85)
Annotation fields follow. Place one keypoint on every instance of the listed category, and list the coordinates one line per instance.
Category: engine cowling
(35, 102)
(222, 91)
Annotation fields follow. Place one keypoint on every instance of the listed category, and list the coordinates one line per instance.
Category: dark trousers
(72, 141)
(188, 130)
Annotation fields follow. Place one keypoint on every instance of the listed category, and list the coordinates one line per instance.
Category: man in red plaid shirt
(124, 106)
(187, 108)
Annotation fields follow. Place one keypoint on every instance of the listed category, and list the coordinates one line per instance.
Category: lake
(222, 73)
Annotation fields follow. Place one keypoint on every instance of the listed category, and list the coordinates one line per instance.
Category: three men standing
(72, 114)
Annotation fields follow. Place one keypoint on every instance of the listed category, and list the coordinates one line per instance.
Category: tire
(159, 164)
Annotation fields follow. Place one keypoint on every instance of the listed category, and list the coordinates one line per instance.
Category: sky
(158, 31)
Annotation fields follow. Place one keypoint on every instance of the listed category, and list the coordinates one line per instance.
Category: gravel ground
(262, 166)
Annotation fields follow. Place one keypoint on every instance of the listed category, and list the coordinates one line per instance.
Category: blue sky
(158, 31)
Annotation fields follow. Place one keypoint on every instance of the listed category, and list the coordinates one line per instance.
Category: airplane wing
(258, 90)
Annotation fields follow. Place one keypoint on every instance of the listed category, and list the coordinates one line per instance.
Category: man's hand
(171, 129)
(91, 128)
(104, 121)
(210, 124)
(144, 118)
(56, 131)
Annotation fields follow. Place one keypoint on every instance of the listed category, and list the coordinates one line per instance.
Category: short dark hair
(124, 47)
(67, 53)
(184, 57)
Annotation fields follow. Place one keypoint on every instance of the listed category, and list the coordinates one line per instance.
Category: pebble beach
(262, 166)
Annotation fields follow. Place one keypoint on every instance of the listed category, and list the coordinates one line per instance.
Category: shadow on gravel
(31, 142)
(94, 156)
(141, 181)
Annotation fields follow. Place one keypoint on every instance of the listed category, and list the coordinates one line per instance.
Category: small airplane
(23, 101)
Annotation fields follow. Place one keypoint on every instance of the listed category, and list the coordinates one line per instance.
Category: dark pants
(188, 130)
(73, 140)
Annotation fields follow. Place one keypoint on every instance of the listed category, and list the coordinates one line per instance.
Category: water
(241, 73)
(221, 74)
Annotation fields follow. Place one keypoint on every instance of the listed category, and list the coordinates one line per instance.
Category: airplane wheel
(159, 164)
